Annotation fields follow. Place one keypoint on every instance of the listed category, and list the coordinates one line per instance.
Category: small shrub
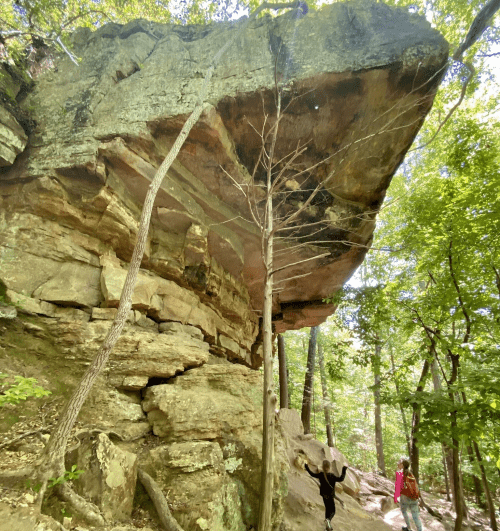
(21, 389)
(68, 475)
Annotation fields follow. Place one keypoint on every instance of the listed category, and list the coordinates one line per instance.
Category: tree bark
(445, 473)
(446, 449)
(476, 481)
(283, 373)
(269, 398)
(379, 442)
(484, 480)
(326, 398)
(309, 380)
(457, 487)
(403, 415)
(414, 454)
(479, 24)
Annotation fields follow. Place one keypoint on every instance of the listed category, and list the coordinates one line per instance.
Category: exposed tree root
(23, 435)
(159, 501)
(88, 510)
(432, 511)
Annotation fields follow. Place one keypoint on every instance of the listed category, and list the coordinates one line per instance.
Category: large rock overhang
(357, 80)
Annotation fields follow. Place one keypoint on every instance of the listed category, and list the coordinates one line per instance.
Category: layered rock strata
(357, 80)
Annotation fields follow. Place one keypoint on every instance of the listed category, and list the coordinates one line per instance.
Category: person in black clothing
(327, 482)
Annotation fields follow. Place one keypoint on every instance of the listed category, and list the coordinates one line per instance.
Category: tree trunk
(445, 473)
(402, 409)
(447, 463)
(283, 373)
(309, 380)
(475, 479)
(457, 488)
(458, 499)
(379, 442)
(414, 454)
(484, 480)
(269, 398)
(326, 400)
(486, 488)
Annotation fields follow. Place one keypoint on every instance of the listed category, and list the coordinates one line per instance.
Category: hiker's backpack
(410, 487)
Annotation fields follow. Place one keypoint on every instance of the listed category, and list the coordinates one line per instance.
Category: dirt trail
(363, 494)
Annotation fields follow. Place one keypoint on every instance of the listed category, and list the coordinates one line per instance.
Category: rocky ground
(367, 498)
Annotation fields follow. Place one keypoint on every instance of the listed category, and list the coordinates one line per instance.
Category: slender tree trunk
(484, 480)
(379, 441)
(445, 473)
(475, 479)
(447, 464)
(309, 380)
(269, 398)
(486, 487)
(402, 409)
(414, 454)
(283, 373)
(326, 401)
(457, 488)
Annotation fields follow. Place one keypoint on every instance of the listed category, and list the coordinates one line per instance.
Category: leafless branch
(454, 108)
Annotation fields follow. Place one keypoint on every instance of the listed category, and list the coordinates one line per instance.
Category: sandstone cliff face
(358, 80)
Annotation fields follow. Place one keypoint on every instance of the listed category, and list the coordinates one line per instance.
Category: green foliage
(73, 473)
(22, 389)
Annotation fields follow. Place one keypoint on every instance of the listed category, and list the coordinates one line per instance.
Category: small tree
(309, 380)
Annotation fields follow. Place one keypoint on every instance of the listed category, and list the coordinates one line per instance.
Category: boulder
(200, 491)
(109, 476)
(13, 139)
(216, 411)
(208, 403)
(308, 449)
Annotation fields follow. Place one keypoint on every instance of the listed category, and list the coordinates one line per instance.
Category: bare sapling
(287, 237)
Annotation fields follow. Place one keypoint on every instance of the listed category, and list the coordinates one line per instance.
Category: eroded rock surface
(357, 79)
(109, 476)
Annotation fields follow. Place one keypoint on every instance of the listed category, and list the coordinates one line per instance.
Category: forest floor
(303, 509)
(25, 428)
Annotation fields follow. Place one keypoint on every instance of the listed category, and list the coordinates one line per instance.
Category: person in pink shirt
(404, 493)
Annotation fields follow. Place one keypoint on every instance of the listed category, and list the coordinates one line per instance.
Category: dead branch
(472, 72)
(299, 262)
(159, 501)
(10, 442)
